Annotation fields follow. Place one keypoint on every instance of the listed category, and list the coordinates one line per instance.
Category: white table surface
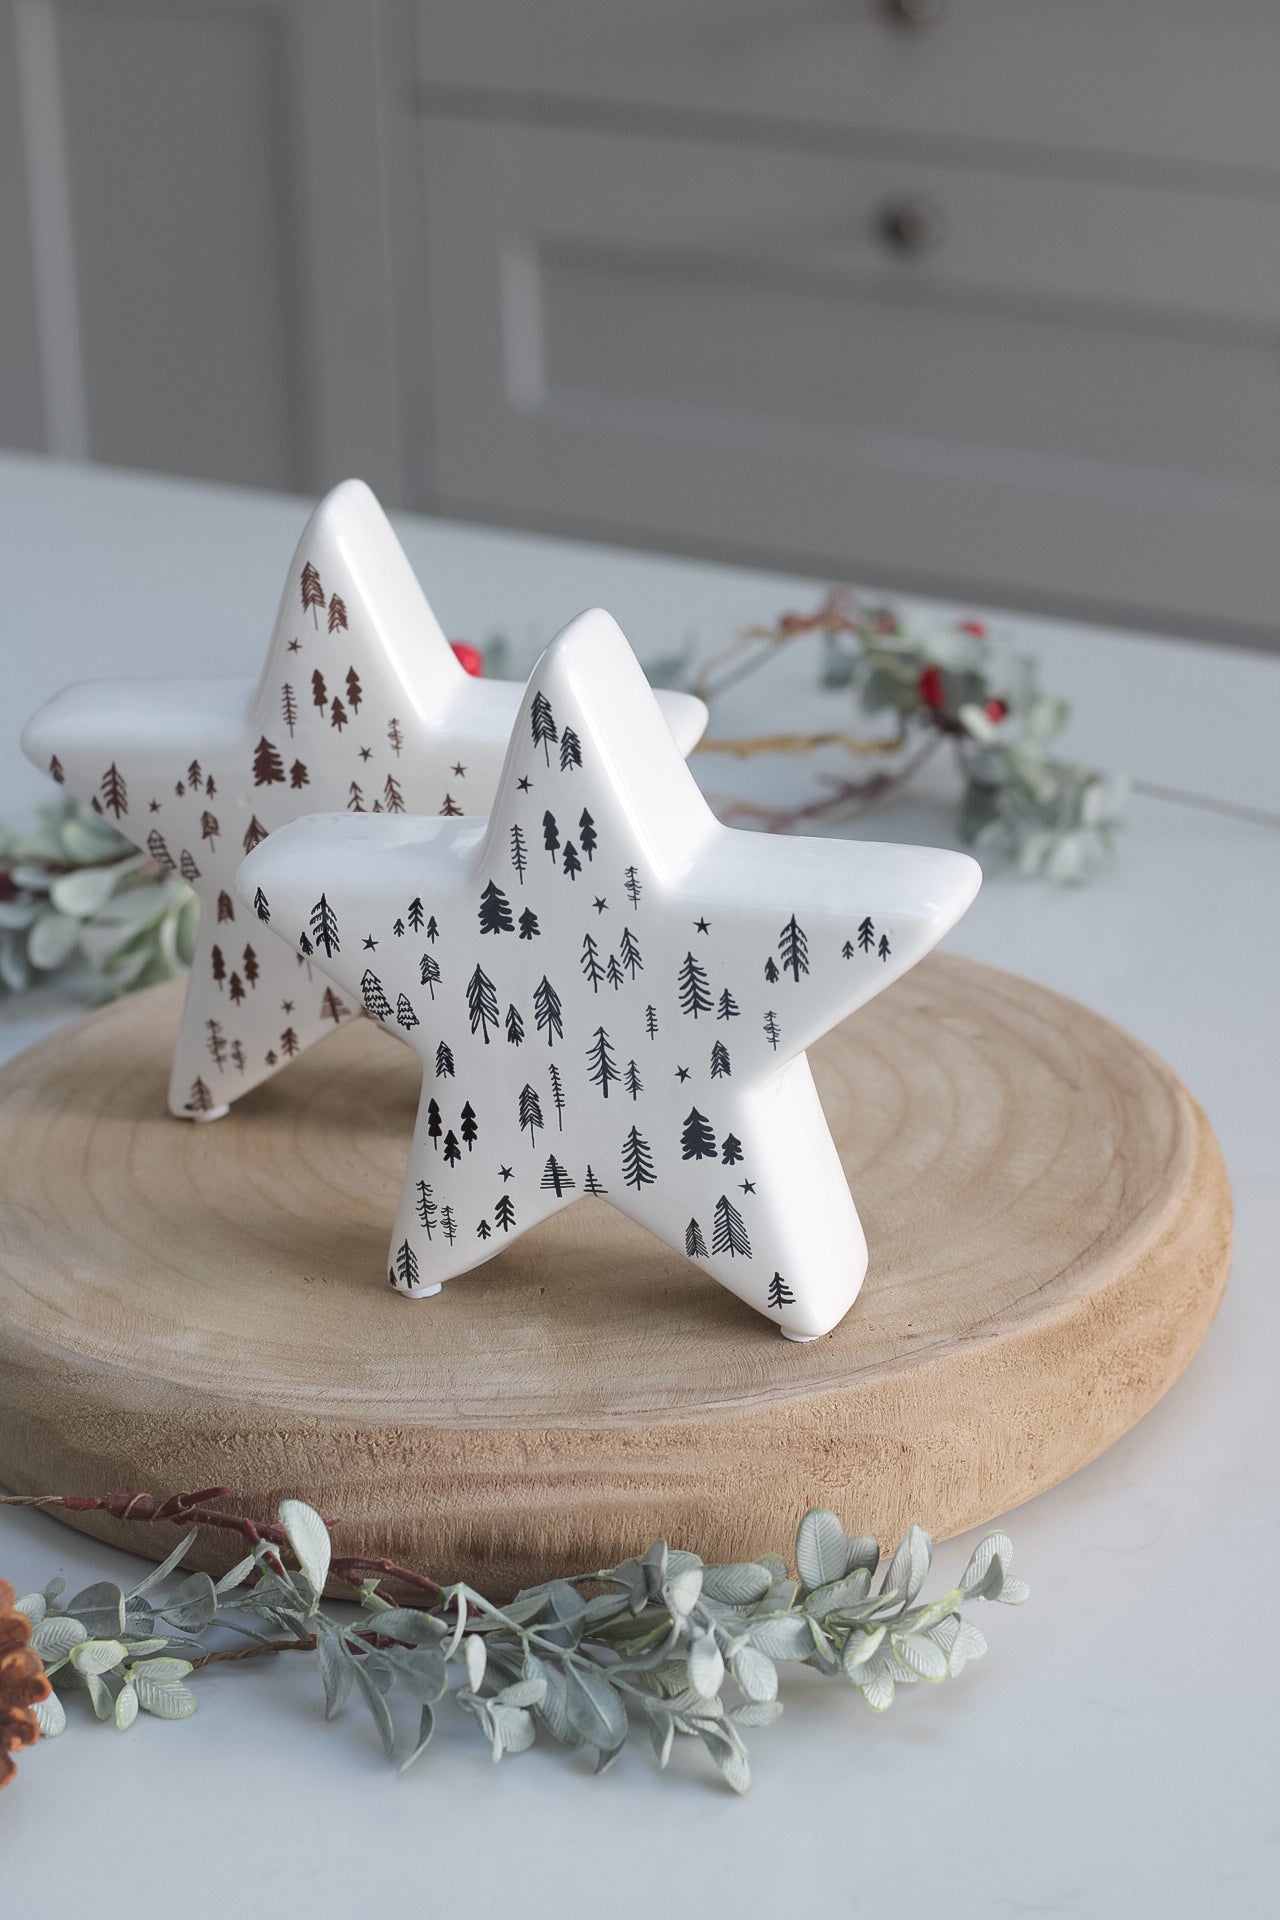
(1116, 1754)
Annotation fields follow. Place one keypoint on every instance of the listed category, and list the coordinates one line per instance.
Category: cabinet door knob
(914, 13)
(911, 226)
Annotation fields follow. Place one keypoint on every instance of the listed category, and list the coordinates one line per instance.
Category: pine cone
(23, 1682)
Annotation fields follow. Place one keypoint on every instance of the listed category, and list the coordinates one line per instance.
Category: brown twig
(843, 800)
(183, 1509)
(746, 748)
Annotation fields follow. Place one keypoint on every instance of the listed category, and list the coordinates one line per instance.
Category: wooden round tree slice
(186, 1306)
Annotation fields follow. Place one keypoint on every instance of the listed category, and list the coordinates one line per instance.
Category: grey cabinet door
(203, 193)
(1068, 394)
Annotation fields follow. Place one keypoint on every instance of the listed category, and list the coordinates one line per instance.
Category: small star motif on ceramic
(548, 1045)
(361, 705)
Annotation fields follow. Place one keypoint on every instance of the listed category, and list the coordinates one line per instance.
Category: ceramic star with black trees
(548, 1043)
(198, 772)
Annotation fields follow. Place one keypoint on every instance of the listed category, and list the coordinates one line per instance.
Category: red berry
(976, 627)
(469, 659)
(995, 709)
(930, 687)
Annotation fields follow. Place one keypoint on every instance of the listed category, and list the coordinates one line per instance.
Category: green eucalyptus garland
(665, 1642)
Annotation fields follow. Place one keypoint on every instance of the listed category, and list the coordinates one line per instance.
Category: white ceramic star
(361, 704)
(612, 993)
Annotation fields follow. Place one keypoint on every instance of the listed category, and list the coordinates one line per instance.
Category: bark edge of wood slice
(187, 1305)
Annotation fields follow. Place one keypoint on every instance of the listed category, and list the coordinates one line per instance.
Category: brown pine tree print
(337, 613)
(312, 592)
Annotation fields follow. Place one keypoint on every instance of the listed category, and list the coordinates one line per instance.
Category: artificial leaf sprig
(936, 682)
(75, 889)
(665, 1641)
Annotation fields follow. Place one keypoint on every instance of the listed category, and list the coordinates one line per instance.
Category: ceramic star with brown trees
(551, 1033)
(361, 705)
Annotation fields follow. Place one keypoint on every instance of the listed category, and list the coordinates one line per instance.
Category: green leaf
(104, 1701)
(165, 1699)
(706, 1665)
(309, 1538)
(126, 1707)
(33, 1606)
(860, 1647)
(193, 1604)
(909, 1568)
(729, 1757)
(97, 1656)
(594, 1709)
(755, 1673)
(820, 1548)
(376, 1703)
(52, 940)
(166, 1567)
(683, 1591)
(921, 1654)
(161, 1671)
(51, 1717)
(475, 1655)
(426, 1727)
(739, 1585)
(56, 1635)
(337, 1670)
(988, 1549)
(783, 1636)
(755, 1713)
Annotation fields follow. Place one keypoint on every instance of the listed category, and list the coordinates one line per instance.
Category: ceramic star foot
(361, 705)
(612, 993)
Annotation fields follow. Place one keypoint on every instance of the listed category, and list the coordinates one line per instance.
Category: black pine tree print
(57, 771)
(884, 948)
(546, 1011)
(218, 966)
(587, 834)
(726, 1006)
(591, 1184)
(289, 1043)
(550, 833)
(530, 1111)
(237, 1056)
(404, 1269)
(324, 926)
(235, 988)
(697, 1140)
(397, 927)
(631, 881)
(337, 714)
(355, 798)
(115, 794)
(304, 948)
(514, 1026)
(448, 1225)
(433, 930)
(528, 925)
(543, 725)
(467, 1125)
(590, 963)
(866, 934)
(613, 972)
(188, 868)
(395, 737)
(405, 1015)
(434, 1125)
(337, 613)
(780, 1294)
(637, 1162)
(557, 1094)
(728, 1232)
(298, 776)
(158, 848)
(483, 1230)
(268, 767)
(452, 1151)
(504, 1214)
(495, 911)
(694, 1244)
(772, 1031)
(425, 1207)
(251, 967)
(374, 997)
(603, 1069)
(226, 908)
(730, 1150)
(720, 1068)
(519, 853)
(319, 691)
(482, 1003)
(571, 862)
(312, 592)
(288, 708)
(651, 1022)
(261, 907)
(629, 953)
(216, 1044)
(570, 750)
(695, 990)
(793, 949)
(413, 914)
(331, 1007)
(355, 692)
(392, 798)
(195, 774)
(847, 950)
(200, 1100)
(555, 1178)
(631, 1080)
(771, 973)
(209, 828)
